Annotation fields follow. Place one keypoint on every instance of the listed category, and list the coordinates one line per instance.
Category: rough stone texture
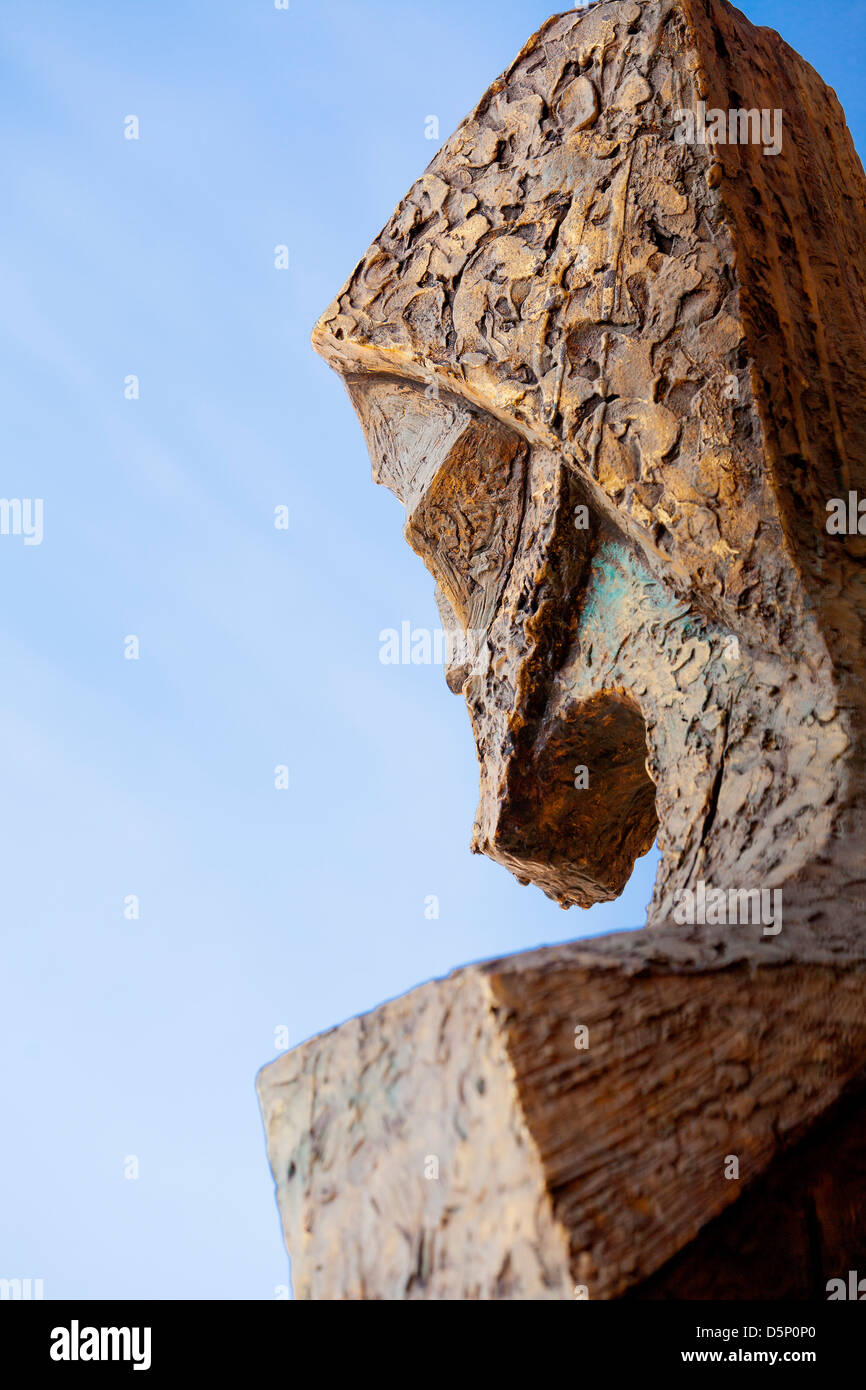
(353, 1121)
(559, 1167)
(799, 1228)
(578, 309)
(615, 380)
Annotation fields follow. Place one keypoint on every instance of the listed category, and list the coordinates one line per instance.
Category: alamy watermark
(77, 1343)
(729, 907)
(21, 1290)
(846, 516)
(854, 1288)
(736, 126)
(419, 646)
(22, 516)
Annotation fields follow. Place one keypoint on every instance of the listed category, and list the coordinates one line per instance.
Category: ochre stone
(617, 377)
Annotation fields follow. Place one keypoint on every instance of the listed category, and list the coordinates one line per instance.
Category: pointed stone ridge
(588, 300)
(681, 322)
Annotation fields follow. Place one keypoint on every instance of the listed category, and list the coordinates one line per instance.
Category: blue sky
(259, 908)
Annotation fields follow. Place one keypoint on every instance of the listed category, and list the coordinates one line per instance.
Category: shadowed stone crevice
(584, 791)
(800, 1227)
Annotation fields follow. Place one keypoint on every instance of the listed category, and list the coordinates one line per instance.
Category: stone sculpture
(610, 352)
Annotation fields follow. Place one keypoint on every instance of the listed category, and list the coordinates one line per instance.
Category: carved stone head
(615, 376)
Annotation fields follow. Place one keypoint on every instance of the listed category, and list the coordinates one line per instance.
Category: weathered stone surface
(458, 1143)
(794, 1236)
(592, 320)
(355, 1119)
(616, 378)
